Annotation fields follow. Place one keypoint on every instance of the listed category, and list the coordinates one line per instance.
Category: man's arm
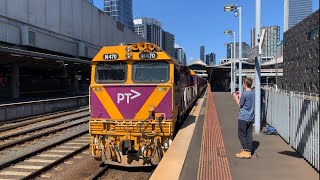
(237, 97)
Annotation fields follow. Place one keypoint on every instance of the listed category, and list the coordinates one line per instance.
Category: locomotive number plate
(148, 55)
(110, 56)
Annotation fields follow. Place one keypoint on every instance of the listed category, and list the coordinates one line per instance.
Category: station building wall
(301, 56)
(73, 27)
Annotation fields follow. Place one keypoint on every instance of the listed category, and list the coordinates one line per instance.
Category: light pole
(233, 59)
(257, 73)
(231, 69)
(237, 13)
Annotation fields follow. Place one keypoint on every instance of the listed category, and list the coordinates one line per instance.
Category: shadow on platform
(190, 120)
(255, 145)
(291, 153)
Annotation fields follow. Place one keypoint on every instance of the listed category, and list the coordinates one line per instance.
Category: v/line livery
(139, 95)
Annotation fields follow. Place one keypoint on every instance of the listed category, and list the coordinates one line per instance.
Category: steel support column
(257, 72)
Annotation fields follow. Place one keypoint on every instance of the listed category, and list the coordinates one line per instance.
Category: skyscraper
(245, 49)
(270, 41)
(211, 59)
(121, 10)
(180, 55)
(202, 51)
(295, 11)
(150, 29)
(168, 43)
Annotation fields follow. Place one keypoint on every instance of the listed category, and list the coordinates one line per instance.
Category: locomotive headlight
(128, 56)
(166, 145)
(128, 49)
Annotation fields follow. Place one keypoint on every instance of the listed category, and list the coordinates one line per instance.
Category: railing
(296, 118)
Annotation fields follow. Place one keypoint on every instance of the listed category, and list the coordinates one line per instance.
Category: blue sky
(202, 22)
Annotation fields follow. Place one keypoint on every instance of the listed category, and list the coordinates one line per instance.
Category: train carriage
(138, 95)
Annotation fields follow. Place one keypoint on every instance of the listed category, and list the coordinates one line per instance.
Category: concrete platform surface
(273, 158)
(210, 134)
(171, 165)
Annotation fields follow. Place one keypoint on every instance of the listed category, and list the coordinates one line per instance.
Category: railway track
(130, 173)
(25, 135)
(102, 171)
(33, 164)
(21, 123)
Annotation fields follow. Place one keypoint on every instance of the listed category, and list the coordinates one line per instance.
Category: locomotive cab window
(111, 72)
(150, 71)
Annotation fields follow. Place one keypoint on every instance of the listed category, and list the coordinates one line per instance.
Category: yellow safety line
(108, 104)
(153, 101)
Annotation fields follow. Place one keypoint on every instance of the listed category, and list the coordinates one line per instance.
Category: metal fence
(296, 118)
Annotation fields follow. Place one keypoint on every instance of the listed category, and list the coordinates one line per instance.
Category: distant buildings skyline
(120, 10)
(202, 52)
(168, 41)
(211, 59)
(180, 55)
(245, 49)
(270, 41)
(150, 29)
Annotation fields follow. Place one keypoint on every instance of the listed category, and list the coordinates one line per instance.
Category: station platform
(31, 107)
(206, 145)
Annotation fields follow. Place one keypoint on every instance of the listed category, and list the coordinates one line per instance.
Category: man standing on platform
(245, 102)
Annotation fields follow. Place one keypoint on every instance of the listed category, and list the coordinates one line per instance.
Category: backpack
(271, 131)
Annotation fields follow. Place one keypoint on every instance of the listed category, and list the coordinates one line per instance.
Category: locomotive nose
(131, 102)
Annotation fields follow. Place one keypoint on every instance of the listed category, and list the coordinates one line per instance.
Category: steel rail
(35, 119)
(36, 173)
(22, 132)
(28, 155)
(103, 171)
(14, 143)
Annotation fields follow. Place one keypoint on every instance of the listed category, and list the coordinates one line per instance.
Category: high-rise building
(270, 41)
(150, 29)
(121, 10)
(202, 51)
(245, 49)
(295, 11)
(168, 43)
(211, 59)
(180, 55)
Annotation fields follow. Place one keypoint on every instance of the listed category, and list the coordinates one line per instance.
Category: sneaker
(244, 154)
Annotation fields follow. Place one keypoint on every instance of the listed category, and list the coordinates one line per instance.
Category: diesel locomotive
(138, 97)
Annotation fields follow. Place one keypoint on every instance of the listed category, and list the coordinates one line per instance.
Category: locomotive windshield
(111, 72)
(150, 71)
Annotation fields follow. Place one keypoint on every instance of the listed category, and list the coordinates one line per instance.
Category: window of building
(150, 71)
(312, 35)
(111, 72)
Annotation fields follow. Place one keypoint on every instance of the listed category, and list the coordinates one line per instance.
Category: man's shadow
(255, 145)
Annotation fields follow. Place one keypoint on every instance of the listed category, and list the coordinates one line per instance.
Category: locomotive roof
(135, 52)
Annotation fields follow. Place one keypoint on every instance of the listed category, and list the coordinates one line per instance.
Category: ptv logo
(127, 96)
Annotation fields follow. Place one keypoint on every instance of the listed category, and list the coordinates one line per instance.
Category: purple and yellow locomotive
(138, 96)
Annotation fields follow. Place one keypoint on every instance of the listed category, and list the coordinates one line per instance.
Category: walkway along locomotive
(138, 97)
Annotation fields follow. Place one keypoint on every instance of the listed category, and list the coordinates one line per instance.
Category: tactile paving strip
(213, 162)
